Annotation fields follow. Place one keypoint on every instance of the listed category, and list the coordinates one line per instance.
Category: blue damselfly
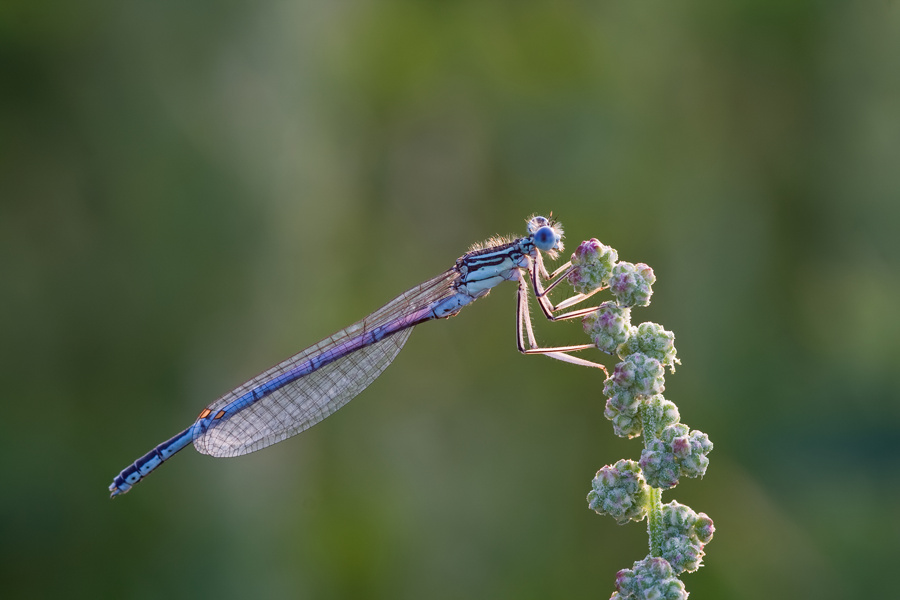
(304, 389)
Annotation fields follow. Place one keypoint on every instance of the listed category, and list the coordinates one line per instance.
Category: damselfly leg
(555, 278)
(523, 317)
(536, 271)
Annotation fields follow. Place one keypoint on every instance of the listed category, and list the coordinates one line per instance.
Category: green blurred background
(193, 191)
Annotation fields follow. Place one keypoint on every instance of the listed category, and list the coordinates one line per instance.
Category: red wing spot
(204, 414)
(219, 414)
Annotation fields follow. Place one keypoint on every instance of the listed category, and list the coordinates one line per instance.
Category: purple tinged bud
(632, 284)
(624, 412)
(681, 447)
(704, 528)
(624, 579)
(685, 534)
(608, 326)
(587, 251)
(659, 568)
(619, 491)
(659, 465)
(592, 264)
(670, 414)
(639, 375)
(676, 453)
(679, 516)
(624, 374)
(694, 460)
(683, 555)
(649, 579)
(654, 341)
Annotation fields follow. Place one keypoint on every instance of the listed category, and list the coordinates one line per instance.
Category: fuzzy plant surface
(631, 490)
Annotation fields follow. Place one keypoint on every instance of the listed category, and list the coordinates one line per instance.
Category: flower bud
(659, 465)
(638, 375)
(704, 528)
(651, 578)
(592, 264)
(632, 284)
(619, 491)
(685, 533)
(676, 453)
(609, 326)
(624, 412)
(654, 341)
(670, 414)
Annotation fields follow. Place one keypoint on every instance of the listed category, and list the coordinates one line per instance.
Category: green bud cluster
(637, 375)
(609, 326)
(592, 264)
(686, 533)
(620, 491)
(651, 340)
(676, 452)
(650, 579)
(624, 410)
(632, 284)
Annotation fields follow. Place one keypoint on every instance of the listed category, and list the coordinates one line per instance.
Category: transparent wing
(304, 402)
(300, 405)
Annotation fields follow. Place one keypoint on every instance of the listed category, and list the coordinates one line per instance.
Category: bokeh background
(190, 192)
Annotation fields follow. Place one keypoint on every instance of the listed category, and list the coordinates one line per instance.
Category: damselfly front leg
(555, 278)
(524, 326)
(536, 271)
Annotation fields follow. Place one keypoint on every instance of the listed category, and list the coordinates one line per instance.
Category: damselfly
(304, 389)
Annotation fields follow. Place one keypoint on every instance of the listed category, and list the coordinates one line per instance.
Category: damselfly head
(546, 233)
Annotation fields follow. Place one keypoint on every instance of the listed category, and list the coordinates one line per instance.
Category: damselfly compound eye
(535, 223)
(545, 238)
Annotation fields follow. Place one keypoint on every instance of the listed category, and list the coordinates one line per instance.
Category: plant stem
(651, 415)
(654, 522)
